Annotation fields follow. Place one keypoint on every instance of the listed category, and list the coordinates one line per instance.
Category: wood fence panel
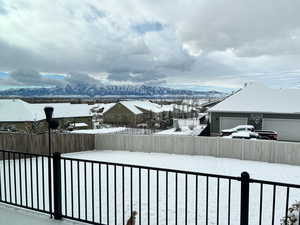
(38, 144)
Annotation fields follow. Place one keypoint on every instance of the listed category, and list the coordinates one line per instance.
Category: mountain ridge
(108, 90)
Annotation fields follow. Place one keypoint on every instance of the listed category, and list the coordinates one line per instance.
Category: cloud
(143, 28)
(30, 77)
(250, 27)
(81, 78)
(226, 42)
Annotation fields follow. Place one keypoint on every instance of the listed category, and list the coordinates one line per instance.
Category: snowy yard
(258, 170)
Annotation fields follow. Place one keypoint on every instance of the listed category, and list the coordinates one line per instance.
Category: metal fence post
(245, 178)
(57, 186)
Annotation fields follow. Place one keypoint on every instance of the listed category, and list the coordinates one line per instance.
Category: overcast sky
(159, 42)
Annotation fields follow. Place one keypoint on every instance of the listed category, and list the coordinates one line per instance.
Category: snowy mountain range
(112, 90)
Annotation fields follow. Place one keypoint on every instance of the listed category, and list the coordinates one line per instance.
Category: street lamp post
(52, 124)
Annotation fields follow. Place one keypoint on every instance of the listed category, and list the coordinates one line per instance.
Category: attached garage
(262, 107)
(230, 122)
(287, 129)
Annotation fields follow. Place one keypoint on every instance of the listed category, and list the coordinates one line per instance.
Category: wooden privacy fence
(38, 143)
(257, 150)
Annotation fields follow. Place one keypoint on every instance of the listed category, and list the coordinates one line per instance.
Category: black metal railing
(24, 180)
(107, 193)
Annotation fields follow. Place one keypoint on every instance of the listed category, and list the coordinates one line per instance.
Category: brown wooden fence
(38, 144)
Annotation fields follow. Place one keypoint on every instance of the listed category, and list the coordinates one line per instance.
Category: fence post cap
(56, 154)
(245, 174)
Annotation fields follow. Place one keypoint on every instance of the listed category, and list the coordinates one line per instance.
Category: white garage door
(230, 122)
(287, 129)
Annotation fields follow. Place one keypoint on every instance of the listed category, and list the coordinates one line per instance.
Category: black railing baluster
(140, 197)
(4, 176)
(100, 194)
(273, 202)
(37, 182)
(186, 198)
(1, 183)
(26, 189)
(43, 182)
(196, 201)
(107, 193)
(229, 200)
(123, 195)
(206, 208)
(115, 190)
(72, 188)
(218, 200)
(176, 198)
(9, 177)
(31, 183)
(15, 179)
(148, 172)
(260, 203)
(93, 195)
(65, 187)
(287, 204)
(157, 197)
(131, 186)
(85, 191)
(78, 183)
(167, 197)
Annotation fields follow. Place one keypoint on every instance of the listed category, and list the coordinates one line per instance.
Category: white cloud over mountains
(153, 42)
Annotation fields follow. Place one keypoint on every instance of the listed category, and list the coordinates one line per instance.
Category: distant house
(262, 107)
(19, 115)
(132, 112)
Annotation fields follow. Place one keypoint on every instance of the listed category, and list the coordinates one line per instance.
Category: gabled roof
(261, 99)
(135, 106)
(16, 110)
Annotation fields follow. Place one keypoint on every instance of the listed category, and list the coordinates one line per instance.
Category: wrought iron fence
(108, 193)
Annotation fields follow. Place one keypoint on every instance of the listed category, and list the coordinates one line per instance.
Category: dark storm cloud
(31, 77)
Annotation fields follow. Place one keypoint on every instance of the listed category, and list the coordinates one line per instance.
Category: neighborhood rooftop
(259, 98)
(135, 106)
(18, 110)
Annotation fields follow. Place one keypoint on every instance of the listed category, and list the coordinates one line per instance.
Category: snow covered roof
(18, 110)
(135, 106)
(259, 98)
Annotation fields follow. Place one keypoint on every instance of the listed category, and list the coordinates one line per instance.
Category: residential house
(263, 107)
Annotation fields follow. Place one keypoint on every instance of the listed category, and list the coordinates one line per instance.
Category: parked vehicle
(268, 134)
(228, 132)
(247, 131)
(244, 135)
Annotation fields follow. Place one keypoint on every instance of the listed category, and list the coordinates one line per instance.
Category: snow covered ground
(185, 125)
(185, 130)
(258, 170)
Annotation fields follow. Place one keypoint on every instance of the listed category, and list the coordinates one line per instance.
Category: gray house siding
(215, 118)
